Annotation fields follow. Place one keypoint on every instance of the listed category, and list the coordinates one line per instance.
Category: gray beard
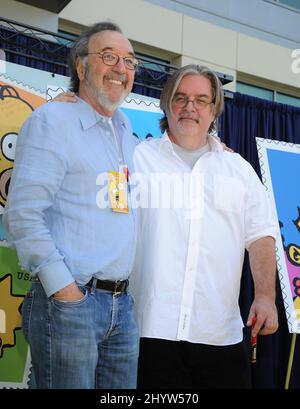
(100, 95)
(104, 101)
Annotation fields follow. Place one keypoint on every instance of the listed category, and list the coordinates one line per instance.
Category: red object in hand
(253, 343)
(126, 173)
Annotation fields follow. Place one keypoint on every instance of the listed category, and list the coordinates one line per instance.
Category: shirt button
(107, 133)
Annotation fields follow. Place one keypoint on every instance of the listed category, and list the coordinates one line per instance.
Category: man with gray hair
(190, 255)
(77, 316)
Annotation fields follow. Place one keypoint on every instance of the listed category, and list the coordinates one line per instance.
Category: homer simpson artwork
(280, 166)
(13, 112)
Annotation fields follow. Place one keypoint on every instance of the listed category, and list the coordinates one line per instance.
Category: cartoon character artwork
(14, 352)
(280, 168)
(15, 107)
(292, 256)
(16, 104)
(144, 116)
(13, 112)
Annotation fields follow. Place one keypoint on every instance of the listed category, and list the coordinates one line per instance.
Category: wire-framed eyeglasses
(112, 59)
(181, 101)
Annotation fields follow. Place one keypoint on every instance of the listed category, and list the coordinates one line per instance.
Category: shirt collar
(89, 117)
(165, 142)
(214, 143)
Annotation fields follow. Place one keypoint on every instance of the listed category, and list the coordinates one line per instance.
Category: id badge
(117, 191)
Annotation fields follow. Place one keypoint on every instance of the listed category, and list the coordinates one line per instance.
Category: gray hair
(172, 84)
(80, 49)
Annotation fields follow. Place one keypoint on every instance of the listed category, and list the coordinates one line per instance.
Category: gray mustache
(187, 117)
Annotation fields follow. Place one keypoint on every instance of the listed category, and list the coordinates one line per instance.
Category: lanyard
(118, 181)
(117, 142)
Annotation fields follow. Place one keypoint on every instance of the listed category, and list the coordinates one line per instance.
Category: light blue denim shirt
(52, 216)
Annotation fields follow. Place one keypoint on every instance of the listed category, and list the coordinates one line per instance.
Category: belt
(113, 286)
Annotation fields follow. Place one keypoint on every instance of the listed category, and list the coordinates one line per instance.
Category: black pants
(177, 365)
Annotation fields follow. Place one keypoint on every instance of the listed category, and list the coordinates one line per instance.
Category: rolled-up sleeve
(41, 163)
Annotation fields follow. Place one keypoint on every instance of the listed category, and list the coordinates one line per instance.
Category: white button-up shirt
(190, 252)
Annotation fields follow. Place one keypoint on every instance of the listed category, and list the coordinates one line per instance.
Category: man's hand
(69, 293)
(65, 97)
(265, 311)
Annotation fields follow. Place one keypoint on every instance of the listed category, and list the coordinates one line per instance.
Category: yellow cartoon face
(13, 112)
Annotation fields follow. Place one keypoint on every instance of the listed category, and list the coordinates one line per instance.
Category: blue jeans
(86, 344)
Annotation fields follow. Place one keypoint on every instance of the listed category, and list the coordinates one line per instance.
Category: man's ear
(80, 69)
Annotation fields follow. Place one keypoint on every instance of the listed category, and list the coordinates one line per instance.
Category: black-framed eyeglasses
(112, 59)
(181, 101)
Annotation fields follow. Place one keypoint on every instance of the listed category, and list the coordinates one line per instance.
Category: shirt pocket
(229, 194)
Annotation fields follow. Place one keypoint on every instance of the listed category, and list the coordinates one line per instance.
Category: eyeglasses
(181, 101)
(112, 59)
